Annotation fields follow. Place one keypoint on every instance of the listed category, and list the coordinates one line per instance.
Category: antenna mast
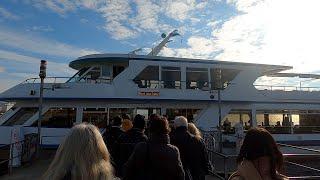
(155, 51)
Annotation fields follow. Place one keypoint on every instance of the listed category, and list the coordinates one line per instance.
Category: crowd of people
(157, 150)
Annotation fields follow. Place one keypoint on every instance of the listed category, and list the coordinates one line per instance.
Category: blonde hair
(194, 130)
(180, 121)
(82, 155)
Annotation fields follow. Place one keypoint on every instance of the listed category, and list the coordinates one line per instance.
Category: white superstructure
(107, 85)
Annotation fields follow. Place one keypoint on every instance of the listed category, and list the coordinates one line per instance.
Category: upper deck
(140, 77)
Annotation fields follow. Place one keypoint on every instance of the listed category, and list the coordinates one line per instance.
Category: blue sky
(273, 32)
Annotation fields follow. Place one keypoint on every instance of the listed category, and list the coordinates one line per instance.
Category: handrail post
(10, 159)
(225, 168)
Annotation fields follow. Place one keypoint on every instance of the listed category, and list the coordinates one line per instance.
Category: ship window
(117, 70)
(171, 77)
(236, 116)
(221, 78)
(96, 116)
(197, 78)
(190, 114)
(78, 75)
(58, 118)
(21, 116)
(92, 76)
(106, 72)
(146, 112)
(113, 112)
(148, 78)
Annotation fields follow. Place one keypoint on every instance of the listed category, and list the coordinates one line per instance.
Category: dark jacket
(111, 135)
(124, 147)
(156, 160)
(194, 155)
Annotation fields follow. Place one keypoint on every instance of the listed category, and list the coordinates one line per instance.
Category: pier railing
(225, 164)
(286, 88)
(25, 154)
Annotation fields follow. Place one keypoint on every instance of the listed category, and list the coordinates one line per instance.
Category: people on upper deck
(82, 155)
(227, 126)
(156, 159)
(259, 157)
(125, 144)
(239, 134)
(126, 124)
(193, 151)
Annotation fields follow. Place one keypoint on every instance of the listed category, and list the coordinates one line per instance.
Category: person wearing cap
(126, 142)
(194, 155)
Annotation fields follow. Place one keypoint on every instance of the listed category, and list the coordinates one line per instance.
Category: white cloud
(84, 20)
(272, 32)
(128, 19)
(178, 10)
(198, 47)
(118, 31)
(30, 42)
(41, 28)
(8, 15)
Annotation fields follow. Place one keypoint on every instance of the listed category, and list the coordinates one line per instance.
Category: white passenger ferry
(107, 85)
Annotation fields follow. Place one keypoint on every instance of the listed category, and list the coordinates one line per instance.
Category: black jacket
(194, 155)
(124, 147)
(156, 160)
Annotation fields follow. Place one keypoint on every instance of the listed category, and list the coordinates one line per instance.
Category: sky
(283, 32)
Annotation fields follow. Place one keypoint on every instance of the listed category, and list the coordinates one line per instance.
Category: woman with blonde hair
(82, 155)
(194, 131)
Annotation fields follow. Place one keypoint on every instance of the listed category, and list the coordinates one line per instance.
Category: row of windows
(66, 117)
(98, 74)
(196, 78)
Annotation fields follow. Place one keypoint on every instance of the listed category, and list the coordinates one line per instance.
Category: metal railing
(296, 129)
(9, 161)
(61, 80)
(24, 155)
(229, 160)
(48, 80)
(299, 165)
(285, 88)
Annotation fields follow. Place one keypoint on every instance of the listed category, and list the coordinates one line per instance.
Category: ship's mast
(155, 51)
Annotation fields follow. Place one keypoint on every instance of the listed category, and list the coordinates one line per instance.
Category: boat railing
(60, 80)
(275, 129)
(286, 88)
(25, 152)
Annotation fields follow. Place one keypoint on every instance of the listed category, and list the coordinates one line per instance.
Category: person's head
(153, 116)
(159, 126)
(82, 154)
(139, 122)
(194, 130)
(117, 120)
(125, 116)
(180, 121)
(258, 145)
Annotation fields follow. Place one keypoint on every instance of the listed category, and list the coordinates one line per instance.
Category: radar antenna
(155, 51)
